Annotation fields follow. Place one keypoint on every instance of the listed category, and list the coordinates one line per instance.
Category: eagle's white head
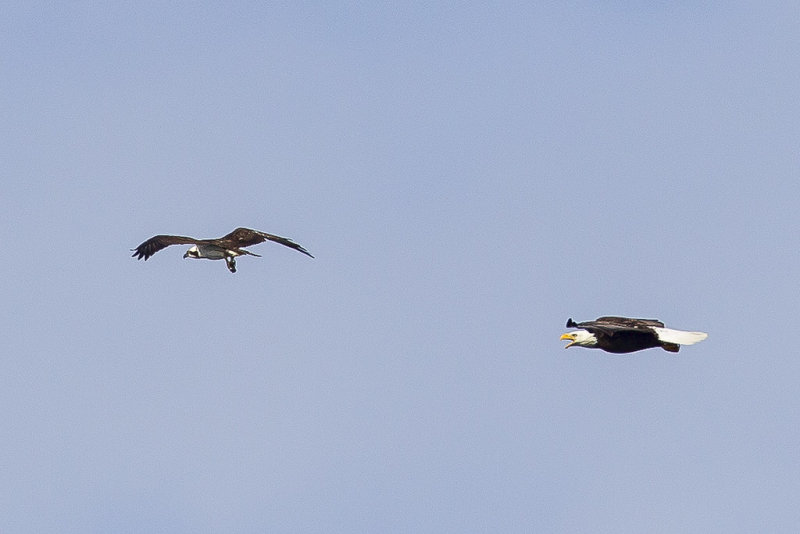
(581, 338)
(193, 252)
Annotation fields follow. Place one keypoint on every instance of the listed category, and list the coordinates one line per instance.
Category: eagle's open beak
(568, 337)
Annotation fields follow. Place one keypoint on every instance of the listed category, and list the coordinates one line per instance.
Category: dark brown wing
(614, 325)
(630, 323)
(244, 237)
(156, 243)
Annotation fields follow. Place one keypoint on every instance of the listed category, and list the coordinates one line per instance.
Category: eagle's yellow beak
(568, 337)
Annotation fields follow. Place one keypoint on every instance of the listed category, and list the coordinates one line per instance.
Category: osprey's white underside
(211, 252)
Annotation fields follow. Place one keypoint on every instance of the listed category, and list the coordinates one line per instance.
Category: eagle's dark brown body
(622, 334)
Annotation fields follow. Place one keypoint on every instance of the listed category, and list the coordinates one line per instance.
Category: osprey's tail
(679, 337)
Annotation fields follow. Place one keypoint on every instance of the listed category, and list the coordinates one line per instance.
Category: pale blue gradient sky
(467, 178)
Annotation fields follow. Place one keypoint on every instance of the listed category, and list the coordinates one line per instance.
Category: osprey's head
(581, 338)
(193, 252)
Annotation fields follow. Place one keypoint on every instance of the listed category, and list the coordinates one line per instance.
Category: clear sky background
(468, 178)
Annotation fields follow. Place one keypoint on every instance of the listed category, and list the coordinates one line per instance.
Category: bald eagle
(621, 335)
(226, 247)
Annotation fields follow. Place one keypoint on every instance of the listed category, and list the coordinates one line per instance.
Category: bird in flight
(622, 334)
(227, 247)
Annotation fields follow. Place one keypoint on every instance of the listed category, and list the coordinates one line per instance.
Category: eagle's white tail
(680, 337)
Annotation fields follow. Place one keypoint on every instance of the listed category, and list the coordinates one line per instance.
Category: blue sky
(468, 177)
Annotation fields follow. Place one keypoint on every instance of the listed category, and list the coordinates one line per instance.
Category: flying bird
(621, 334)
(227, 247)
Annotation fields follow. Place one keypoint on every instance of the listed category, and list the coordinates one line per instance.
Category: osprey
(227, 247)
(621, 334)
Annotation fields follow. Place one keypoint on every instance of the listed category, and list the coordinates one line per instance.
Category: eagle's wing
(611, 326)
(156, 243)
(628, 322)
(244, 237)
(607, 329)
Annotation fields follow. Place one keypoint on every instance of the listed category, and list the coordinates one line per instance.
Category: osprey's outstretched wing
(156, 243)
(244, 237)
